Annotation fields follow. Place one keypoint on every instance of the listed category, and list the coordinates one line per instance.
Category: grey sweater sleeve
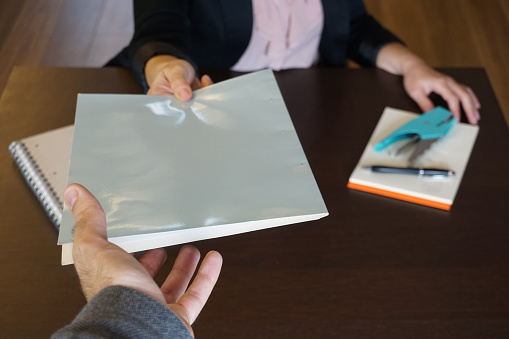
(121, 312)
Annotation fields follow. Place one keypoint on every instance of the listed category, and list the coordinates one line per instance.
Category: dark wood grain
(374, 268)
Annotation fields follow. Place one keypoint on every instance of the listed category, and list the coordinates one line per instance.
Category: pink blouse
(286, 34)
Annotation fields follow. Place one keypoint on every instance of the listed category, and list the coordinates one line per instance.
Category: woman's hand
(420, 80)
(166, 74)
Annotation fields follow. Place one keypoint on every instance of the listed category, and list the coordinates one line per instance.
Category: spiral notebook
(43, 161)
(168, 172)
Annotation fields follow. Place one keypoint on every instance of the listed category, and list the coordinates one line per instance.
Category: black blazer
(215, 33)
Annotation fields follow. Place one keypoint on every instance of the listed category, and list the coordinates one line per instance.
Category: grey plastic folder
(167, 172)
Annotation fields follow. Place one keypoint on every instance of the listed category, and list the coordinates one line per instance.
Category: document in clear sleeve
(167, 172)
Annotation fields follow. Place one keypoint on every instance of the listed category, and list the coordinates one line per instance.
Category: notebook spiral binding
(37, 182)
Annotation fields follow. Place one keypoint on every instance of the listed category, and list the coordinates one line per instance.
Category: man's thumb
(88, 214)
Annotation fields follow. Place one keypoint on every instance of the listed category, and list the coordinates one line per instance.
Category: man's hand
(100, 263)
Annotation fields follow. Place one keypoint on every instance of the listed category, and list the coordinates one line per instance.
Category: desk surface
(375, 267)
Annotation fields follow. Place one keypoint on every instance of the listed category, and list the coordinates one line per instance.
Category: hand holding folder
(100, 264)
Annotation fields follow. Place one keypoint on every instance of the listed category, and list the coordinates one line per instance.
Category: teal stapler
(421, 132)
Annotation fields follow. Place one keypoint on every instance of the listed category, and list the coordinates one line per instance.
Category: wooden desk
(374, 268)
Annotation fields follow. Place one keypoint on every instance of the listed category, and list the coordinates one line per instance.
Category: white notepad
(450, 152)
(168, 172)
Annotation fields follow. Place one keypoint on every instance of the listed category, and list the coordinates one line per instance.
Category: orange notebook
(450, 152)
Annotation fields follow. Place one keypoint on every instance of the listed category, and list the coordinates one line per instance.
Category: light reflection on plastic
(210, 116)
(213, 221)
(178, 111)
(114, 203)
(165, 108)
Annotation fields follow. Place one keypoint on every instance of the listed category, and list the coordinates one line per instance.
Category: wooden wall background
(86, 33)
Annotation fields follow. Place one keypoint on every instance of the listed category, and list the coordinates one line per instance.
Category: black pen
(433, 172)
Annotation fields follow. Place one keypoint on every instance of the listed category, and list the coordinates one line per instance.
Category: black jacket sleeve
(206, 33)
(351, 33)
(121, 312)
(160, 27)
(367, 36)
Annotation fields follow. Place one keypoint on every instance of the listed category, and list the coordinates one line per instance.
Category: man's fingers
(88, 213)
(153, 260)
(197, 294)
(181, 273)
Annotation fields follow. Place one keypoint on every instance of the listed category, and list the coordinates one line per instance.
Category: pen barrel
(399, 170)
(413, 171)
